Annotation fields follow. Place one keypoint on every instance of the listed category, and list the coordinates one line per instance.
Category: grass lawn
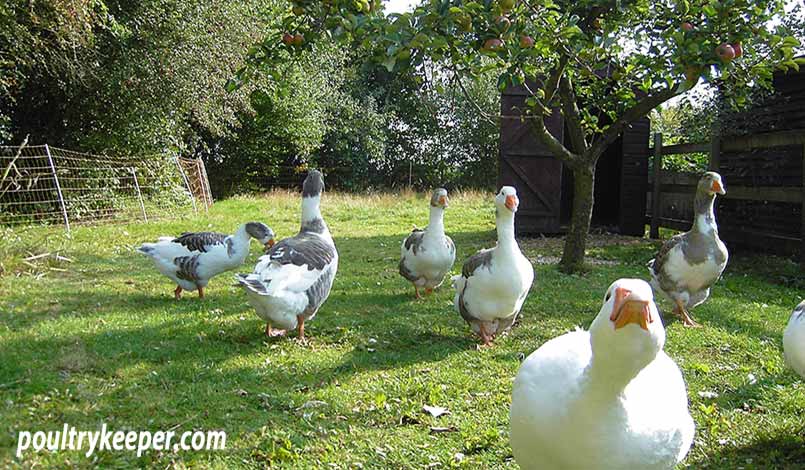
(101, 340)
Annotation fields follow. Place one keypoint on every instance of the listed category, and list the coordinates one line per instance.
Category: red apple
(287, 38)
(298, 39)
(739, 50)
(725, 52)
(503, 23)
(687, 26)
(526, 42)
(492, 44)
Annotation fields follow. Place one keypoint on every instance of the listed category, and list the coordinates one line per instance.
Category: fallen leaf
(435, 411)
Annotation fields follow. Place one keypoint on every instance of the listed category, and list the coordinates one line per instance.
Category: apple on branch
(725, 52)
(492, 44)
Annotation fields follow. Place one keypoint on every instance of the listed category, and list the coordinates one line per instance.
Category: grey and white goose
(294, 278)
(689, 263)
(495, 282)
(426, 256)
(194, 258)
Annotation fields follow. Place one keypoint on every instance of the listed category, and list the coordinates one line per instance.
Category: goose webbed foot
(683, 315)
(274, 333)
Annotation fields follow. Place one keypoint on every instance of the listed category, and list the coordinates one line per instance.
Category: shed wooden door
(634, 178)
(530, 167)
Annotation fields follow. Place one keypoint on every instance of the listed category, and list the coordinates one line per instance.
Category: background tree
(603, 64)
(146, 77)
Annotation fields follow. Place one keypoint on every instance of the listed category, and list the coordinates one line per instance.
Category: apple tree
(602, 64)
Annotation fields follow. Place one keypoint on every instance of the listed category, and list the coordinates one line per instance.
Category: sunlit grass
(99, 338)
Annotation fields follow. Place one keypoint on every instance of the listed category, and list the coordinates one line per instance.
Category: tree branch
(556, 147)
(639, 110)
(570, 110)
(494, 118)
(553, 81)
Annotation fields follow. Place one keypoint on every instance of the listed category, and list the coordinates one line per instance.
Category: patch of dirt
(554, 245)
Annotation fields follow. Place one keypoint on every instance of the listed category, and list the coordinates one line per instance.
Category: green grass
(101, 340)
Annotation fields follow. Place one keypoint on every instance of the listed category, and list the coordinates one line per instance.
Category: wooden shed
(545, 186)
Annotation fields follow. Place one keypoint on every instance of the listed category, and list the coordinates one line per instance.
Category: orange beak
(716, 188)
(627, 311)
(443, 201)
(269, 244)
(511, 203)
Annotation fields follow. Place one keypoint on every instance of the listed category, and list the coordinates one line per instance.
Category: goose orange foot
(682, 312)
(274, 333)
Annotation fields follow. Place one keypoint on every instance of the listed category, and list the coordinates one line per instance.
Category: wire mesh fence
(42, 184)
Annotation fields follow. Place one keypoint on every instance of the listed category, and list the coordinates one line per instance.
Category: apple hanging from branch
(725, 52)
(492, 44)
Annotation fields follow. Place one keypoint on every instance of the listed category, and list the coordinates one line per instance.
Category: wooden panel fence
(765, 182)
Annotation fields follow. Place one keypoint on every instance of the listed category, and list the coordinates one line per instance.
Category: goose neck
(436, 221)
(505, 228)
(705, 218)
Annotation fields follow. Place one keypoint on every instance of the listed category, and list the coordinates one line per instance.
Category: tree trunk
(576, 240)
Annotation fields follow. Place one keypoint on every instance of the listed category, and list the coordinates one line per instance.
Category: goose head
(439, 198)
(313, 185)
(261, 232)
(711, 184)
(628, 333)
(507, 200)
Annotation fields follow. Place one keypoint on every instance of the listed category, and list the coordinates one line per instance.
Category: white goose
(426, 256)
(794, 340)
(193, 258)
(495, 282)
(609, 398)
(293, 280)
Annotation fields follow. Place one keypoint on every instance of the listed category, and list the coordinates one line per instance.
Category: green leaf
(231, 85)
(389, 63)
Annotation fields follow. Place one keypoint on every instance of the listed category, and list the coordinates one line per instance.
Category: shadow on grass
(783, 450)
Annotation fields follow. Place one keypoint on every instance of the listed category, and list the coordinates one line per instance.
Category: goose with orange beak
(609, 398)
(426, 256)
(688, 264)
(494, 282)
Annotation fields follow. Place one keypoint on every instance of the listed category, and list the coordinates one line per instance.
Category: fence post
(202, 186)
(206, 181)
(802, 230)
(186, 183)
(139, 194)
(715, 148)
(655, 188)
(58, 189)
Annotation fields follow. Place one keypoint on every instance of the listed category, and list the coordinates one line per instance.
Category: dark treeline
(147, 77)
